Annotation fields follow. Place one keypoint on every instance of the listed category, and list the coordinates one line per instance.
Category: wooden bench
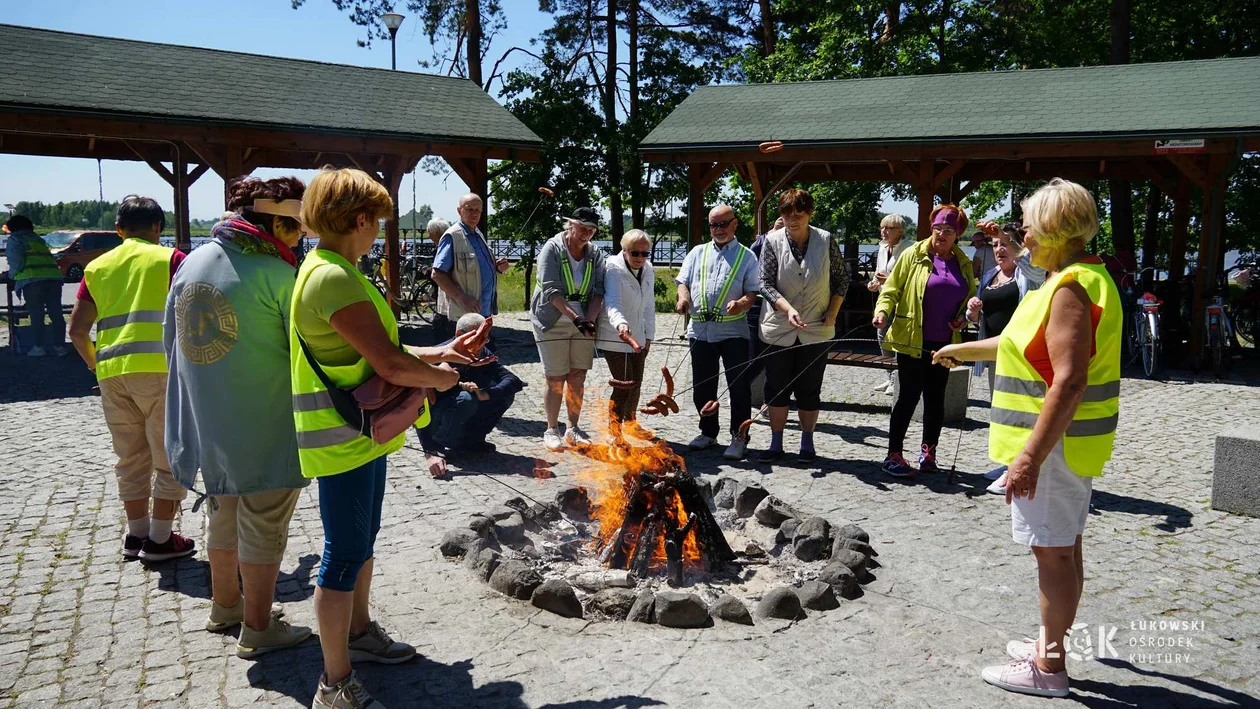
(854, 359)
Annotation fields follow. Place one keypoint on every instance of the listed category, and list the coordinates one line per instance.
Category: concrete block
(1235, 480)
(956, 395)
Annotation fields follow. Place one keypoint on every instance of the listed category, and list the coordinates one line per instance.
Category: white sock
(160, 530)
(138, 527)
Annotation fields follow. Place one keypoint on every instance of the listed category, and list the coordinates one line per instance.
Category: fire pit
(643, 539)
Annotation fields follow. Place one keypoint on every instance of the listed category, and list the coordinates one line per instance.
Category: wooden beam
(91, 144)
(1167, 184)
(197, 172)
(1180, 222)
(213, 155)
(970, 186)
(925, 190)
(1191, 168)
(711, 175)
(145, 155)
(756, 175)
(183, 234)
(901, 171)
(696, 175)
(944, 176)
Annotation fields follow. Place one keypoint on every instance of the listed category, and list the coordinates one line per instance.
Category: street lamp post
(392, 21)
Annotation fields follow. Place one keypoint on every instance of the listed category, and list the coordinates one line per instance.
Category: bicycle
(1142, 323)
(1218, 335)
(1245, 308)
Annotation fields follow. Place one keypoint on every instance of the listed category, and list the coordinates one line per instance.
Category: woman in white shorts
(565, 307)
(1056, 401)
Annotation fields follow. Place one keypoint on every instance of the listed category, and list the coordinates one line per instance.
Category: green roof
(1166, 99)
(86, 74)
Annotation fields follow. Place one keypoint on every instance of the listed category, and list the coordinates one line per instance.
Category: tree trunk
(472, 18)
(892, 17)
(1150, 233)
(637, 207)
(946, 8)
(1122, 236)
(768, 32)
(610, 124)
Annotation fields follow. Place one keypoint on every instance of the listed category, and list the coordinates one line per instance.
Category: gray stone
(675, 609)
(642, 610)
(731, 610)
(516, 579)
(502, 512)
(747, 497)
(771, 511)
(483, 563)
(817, 596)
(481, 524)
(705, 489)
(787, 530)
(852, 531)
(858, 546)
(574, 501)
(814, 527)
(724, 493)
(510, 529)
(781, 602)
(841, 578)
(558, 597)
(811, 541)
(541, 514)
(613, 602)
(753, 550)
(854, 561)
(1235, 484)
(455, 542)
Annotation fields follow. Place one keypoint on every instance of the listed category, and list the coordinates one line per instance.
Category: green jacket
(901, 298)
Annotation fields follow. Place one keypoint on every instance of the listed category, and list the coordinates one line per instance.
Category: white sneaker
(575, 436)
(701, 442)
(1024, 677)
(36, 351)
(995, 473)
(736, 450)
(1021, 649)
(552, 440)
(882, 386)
(996, 487)
(61, 350)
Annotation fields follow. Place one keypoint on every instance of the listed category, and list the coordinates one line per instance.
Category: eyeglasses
(943, 230)
(721, 225)
(640, 254)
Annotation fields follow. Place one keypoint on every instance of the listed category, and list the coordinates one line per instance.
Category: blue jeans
(45, 297)
(458, 421)
(350, 508)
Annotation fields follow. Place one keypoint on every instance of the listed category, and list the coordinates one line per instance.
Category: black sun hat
(586, 216)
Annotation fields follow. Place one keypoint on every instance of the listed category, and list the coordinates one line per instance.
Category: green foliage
(86, 215)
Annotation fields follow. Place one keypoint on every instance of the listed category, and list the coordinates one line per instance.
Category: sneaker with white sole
(575, 436)
(173, 548)
(552, 440)
(995, 473)
(737, 449)
(996, 488)
(346, 694)
(882, 386)
(132, 546)
(1024, 677)
(701, 442)
(36, 351)
(279, 635)
(1021, 649)
(223, 618)
(375, 645)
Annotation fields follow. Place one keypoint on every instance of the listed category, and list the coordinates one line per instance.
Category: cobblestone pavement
(78, 627)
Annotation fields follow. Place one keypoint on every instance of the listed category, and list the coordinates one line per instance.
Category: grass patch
(512, 290)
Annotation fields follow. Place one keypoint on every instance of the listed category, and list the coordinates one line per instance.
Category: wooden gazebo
(1182, 125)
(187, 110)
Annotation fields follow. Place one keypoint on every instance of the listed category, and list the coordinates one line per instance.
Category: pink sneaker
(1021, 649)
(1022, 676)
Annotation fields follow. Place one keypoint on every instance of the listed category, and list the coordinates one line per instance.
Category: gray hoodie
(550, 280)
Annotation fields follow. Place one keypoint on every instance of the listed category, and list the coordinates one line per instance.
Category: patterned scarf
(252, 240)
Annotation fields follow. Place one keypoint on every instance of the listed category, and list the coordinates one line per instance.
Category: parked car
(73, 250)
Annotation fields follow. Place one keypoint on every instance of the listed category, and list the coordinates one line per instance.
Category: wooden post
(926, 195)
(183, 233)
(393, 180)
(695, 203)
(235, 167)
(757, 177)
(1180, 224)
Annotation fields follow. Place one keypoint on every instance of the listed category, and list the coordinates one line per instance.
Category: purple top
(942, 299)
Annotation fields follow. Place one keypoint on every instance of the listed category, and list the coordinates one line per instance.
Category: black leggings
(918, 377)
(796, 371)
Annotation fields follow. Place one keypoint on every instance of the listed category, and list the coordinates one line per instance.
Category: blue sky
(316, 31)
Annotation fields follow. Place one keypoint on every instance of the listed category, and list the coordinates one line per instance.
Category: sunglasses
(640, 254)
(721, 225)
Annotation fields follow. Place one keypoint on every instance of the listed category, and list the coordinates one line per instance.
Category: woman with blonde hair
(892, 229)
(1055, 407)
(922, 305)
(341, 333)
(628, 320)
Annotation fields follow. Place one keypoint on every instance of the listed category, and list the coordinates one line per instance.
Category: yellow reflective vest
(326, 444)
(1023, 363)
(129, 284)
(38, 261)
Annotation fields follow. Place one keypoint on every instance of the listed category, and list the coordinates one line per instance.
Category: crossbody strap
(343, 401)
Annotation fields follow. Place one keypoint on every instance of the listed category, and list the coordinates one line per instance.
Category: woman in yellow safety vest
(1056, 400)
(351, 334)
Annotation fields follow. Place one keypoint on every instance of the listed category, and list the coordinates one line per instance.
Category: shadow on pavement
(296, 586)
(43, 378)
(1174, 517)
(1113, 695)
(188, 576)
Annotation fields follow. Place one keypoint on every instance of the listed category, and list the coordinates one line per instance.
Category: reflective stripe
(1027, 387)
(129, 348)
(315, 401)
(1028, 419)
(326, 437)
(567, 272)
(113, 321)
(726, 285)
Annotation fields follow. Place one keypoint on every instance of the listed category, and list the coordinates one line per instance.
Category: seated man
(465, 414)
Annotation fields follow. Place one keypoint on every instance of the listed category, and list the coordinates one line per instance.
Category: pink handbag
(389, 409)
